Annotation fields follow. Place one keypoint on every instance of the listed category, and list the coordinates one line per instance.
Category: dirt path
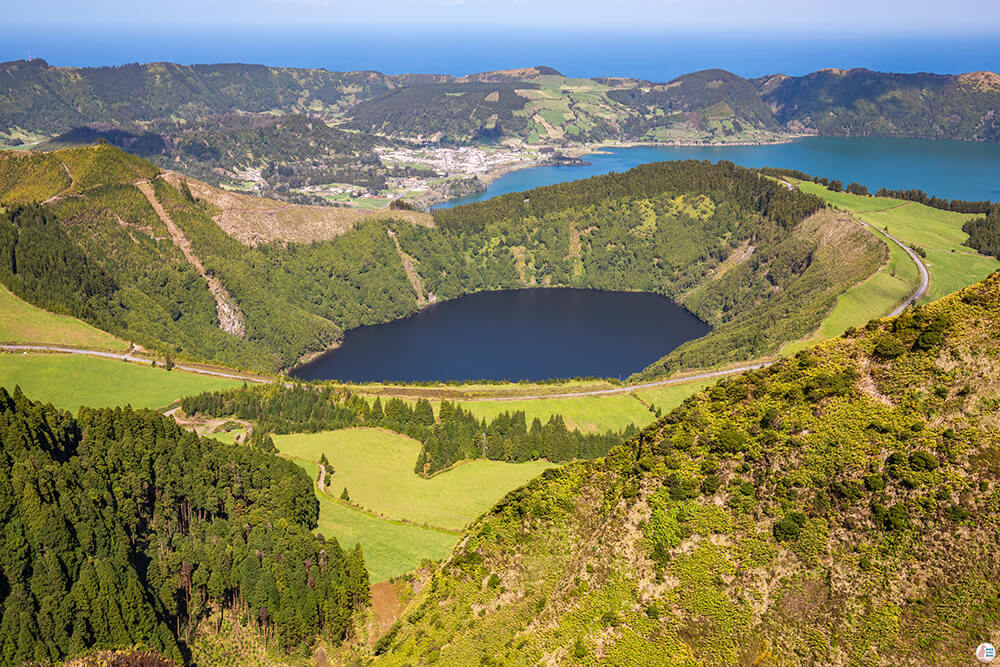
(230, 317)
(322, 477)
(411, 273)
(625, 388)
(57, 197)
(386, 606)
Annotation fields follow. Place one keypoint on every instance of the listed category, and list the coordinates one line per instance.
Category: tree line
(454, 434)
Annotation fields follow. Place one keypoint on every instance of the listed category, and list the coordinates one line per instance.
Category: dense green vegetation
(733, 247)
(859, 102)
(739, 250)
(794, 514)
(120, 528)
(452, 435)
(448, 113)
(984, 233)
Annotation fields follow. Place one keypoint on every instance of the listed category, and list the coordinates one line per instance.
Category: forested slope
(859, 102)
(759, 262)
(122, 529)
(839, 507)
(155, 102)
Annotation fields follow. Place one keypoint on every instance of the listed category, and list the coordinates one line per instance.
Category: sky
(774, 16)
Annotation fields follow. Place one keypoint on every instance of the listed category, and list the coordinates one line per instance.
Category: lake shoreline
(579, 151)
(488, 328)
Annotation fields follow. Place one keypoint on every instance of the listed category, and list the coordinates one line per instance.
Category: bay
(950, 169)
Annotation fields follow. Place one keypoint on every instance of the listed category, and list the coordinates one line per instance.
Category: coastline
(578, 151)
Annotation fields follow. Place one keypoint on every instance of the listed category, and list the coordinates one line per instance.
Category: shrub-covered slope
(839, 507)
(122, 529)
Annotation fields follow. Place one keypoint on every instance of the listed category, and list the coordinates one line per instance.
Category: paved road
(128, 357)
(625, 389)
(925, 278)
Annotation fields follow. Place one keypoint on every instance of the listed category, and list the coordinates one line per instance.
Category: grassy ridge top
(838, 507)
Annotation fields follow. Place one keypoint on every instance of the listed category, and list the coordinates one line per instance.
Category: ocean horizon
(655, 55)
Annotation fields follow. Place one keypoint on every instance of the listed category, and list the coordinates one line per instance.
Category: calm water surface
(531, 334)
(952, 169)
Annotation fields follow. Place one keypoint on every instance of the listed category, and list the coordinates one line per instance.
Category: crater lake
(526, 334)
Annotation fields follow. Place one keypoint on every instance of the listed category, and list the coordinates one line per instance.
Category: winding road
(925, 278)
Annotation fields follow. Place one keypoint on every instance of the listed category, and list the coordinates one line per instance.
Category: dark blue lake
(530, 334)
(951, 169)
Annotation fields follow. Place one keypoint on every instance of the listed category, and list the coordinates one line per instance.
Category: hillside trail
(230, 316)
(411, 273)
(61, 195)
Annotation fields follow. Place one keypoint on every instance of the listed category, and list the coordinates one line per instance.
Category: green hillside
(839, 507)
(161, 108)
(859, 102)
(121, 248)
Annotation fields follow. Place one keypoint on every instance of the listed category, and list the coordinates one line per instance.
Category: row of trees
(984, 233)
(452, 435)
(121, 528)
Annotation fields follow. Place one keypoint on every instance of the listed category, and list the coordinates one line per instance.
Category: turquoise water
(951, 169)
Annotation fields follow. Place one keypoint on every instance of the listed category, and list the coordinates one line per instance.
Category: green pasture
(69, 381)
(390, 548)
(667, 397)
(951, 265)
(376, 467)
(594, 414)
(20, 322)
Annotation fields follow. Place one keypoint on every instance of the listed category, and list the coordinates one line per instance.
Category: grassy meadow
(951, 265)
(376, 468)
(668, 397)
(390, 548)
(24, 323)
(69, 381)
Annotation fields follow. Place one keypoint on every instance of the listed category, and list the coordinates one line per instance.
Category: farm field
(589, 414)
(376, 468)
(69, 381)
(25, 323)
(390, 548)
(952, 265)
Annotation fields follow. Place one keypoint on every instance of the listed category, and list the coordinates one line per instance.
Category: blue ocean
(652, 55)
